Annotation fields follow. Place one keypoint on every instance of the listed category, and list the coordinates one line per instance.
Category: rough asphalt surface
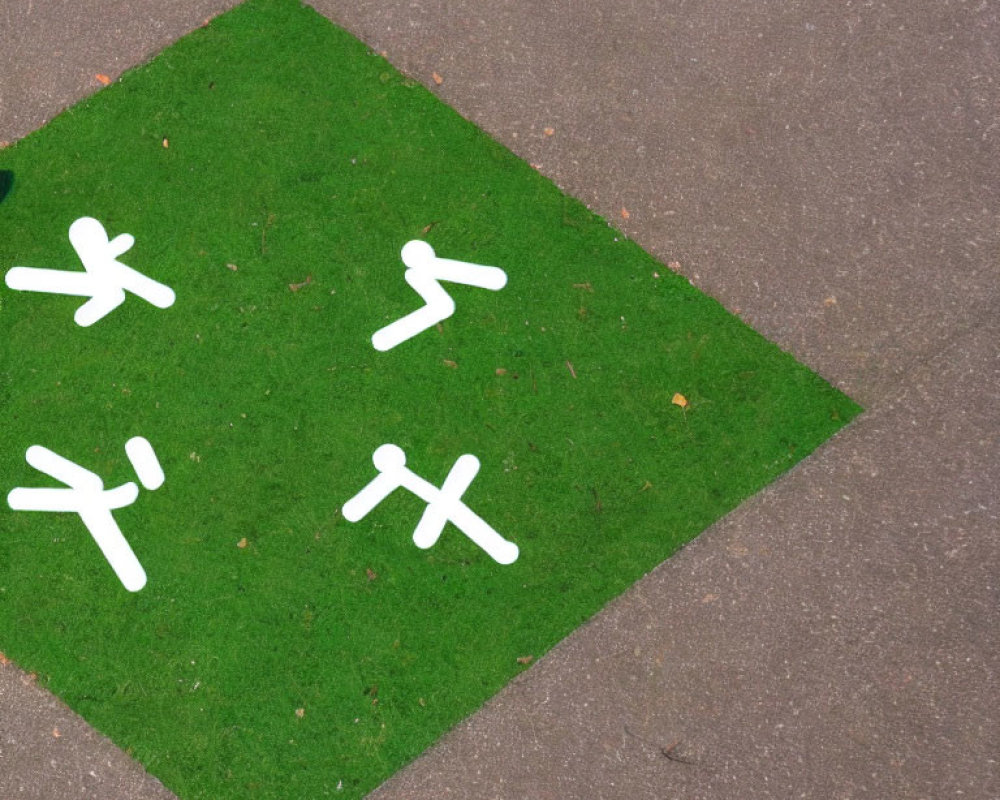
(832, 172)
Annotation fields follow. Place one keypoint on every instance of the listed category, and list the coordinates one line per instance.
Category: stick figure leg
(437, 513)
(114, 546)
(99, 306)
(439, 307)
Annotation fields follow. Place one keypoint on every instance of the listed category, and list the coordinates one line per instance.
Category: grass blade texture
(270, 168)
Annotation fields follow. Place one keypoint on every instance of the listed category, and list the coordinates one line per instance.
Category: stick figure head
(389, 458)
(417, 254)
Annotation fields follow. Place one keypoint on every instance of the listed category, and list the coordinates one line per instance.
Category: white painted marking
(144, 462)
(85, 495)
(443, 505)
(105, 281)
(424, 272)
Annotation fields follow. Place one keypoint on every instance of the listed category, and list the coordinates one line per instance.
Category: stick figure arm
(380, 487)
(152, 291)
(62, 469)
(120, 245)
(120, 496)
(23, 499)
(483, 277)
(52, 281)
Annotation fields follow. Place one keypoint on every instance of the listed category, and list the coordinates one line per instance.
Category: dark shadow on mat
(6, 182)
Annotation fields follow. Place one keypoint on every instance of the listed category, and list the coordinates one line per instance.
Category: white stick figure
(87, 497)
(424, 271)
(105, 281)
(443, 505)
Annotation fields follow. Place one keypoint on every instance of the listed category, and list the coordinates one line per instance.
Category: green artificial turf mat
(270, 169)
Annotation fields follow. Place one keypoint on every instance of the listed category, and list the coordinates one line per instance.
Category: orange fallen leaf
(102, 78)
(625, 214)
(501, 371)
(549, 131)
(55, 733)
(4, 660)
(679, 400)
(525, 659)
(437, 78)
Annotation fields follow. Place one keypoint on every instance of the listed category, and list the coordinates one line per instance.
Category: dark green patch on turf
(272, 149)
(6, 183)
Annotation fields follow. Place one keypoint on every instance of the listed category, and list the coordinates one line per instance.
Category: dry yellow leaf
(300, 712)
(166, 143)
(242, 543)
(525, 659)
(679, 400)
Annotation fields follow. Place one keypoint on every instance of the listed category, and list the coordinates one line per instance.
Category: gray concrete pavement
(832, 173)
